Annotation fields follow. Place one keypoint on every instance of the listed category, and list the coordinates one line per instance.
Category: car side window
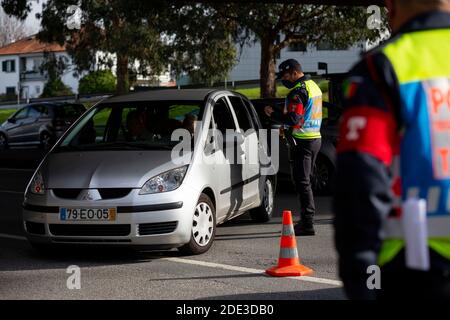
(22, 114)
(34, 112)
(241, 113)
(70, 111)
(100, 123)
(223, 117)
(44, 111)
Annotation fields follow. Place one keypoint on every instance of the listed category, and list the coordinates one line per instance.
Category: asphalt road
(232, 269)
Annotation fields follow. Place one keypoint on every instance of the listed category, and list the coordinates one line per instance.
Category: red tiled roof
(30, 45)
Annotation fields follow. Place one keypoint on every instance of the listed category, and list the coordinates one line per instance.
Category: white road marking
(13, 192)
(219, 266)
(251, 270)
(10, 236)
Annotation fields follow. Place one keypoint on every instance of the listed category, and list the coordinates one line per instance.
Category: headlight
(167, 181)
(37, 184)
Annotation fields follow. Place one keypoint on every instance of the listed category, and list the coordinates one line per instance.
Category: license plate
(87, 214)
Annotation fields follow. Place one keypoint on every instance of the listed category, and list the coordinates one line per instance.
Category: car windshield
(132, 126)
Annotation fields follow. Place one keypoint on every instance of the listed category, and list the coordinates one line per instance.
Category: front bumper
(161, 222)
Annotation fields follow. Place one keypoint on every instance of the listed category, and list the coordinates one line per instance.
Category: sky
(31, 22)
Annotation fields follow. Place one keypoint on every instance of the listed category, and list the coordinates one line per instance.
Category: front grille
(35, 228)
(90, 230)
(71, 240)
(67, 193)
(146, 229)
(105, 193)
(114, 193)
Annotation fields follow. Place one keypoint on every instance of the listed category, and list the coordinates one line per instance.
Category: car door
(248, 149)
(15, 126)
(30, 125)
(228, 174)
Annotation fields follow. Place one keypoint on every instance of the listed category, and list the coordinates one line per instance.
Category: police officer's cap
(288, 66)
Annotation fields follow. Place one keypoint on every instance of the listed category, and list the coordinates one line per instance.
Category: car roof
(53, 104)
(163, 95)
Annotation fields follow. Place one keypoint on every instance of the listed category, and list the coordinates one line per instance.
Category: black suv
(39, 124)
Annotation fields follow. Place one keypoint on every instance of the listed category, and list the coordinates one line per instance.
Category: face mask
(288, 84)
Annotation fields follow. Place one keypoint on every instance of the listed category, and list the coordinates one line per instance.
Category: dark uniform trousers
(304, 157)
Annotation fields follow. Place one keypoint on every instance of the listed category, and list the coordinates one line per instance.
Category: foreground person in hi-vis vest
(303, 116)
(392, 199)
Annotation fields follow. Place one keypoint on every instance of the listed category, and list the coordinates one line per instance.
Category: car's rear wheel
(203, 228)
(264, 212)
(3, 142)
(322, 176)
(46, 140)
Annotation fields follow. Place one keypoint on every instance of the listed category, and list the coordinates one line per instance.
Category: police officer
(395, 145)
(303, 114)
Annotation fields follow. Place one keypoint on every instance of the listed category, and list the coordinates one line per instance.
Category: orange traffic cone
(288, 262)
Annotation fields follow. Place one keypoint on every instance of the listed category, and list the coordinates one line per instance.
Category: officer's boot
(305, 227)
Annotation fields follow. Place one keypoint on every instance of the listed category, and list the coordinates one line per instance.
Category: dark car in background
(324, 170)
(39, 124)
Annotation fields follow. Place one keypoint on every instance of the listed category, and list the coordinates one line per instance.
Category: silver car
(155, 170)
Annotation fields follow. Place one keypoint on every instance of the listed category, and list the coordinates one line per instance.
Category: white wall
(68, 77)
(32, 89)
(338, 61)
(8, 79)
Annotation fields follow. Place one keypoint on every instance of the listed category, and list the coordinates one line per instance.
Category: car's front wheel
(264, 212)
(203, 228)
(3, 142)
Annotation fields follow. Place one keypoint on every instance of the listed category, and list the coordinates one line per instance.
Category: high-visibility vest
(422, 66)
(309, 126)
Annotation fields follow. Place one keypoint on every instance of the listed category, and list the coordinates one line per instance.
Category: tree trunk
(123, 81)
(267, 68)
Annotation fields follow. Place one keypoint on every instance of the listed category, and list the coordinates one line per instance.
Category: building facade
(338, 59)
(20, 64)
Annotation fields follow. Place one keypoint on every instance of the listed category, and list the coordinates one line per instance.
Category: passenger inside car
(137, 126)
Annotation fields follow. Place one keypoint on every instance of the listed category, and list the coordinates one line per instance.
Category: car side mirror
(12, 120)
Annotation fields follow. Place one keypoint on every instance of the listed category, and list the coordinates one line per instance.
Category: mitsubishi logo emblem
(89, 195)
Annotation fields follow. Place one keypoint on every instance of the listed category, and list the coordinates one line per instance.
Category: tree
(202, 42)
(120, 28)
(12, 29)
(141, 35)
(17, 8)
(101, 81)
(196, 38)
(277, 26)
(53, 67)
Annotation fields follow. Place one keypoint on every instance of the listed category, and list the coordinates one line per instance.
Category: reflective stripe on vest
(310, 129)
(420, 61)
(393, 233)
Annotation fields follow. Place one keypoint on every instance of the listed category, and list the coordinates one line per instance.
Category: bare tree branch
(11, 29)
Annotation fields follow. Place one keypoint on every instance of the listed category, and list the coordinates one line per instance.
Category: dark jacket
(363, 196)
